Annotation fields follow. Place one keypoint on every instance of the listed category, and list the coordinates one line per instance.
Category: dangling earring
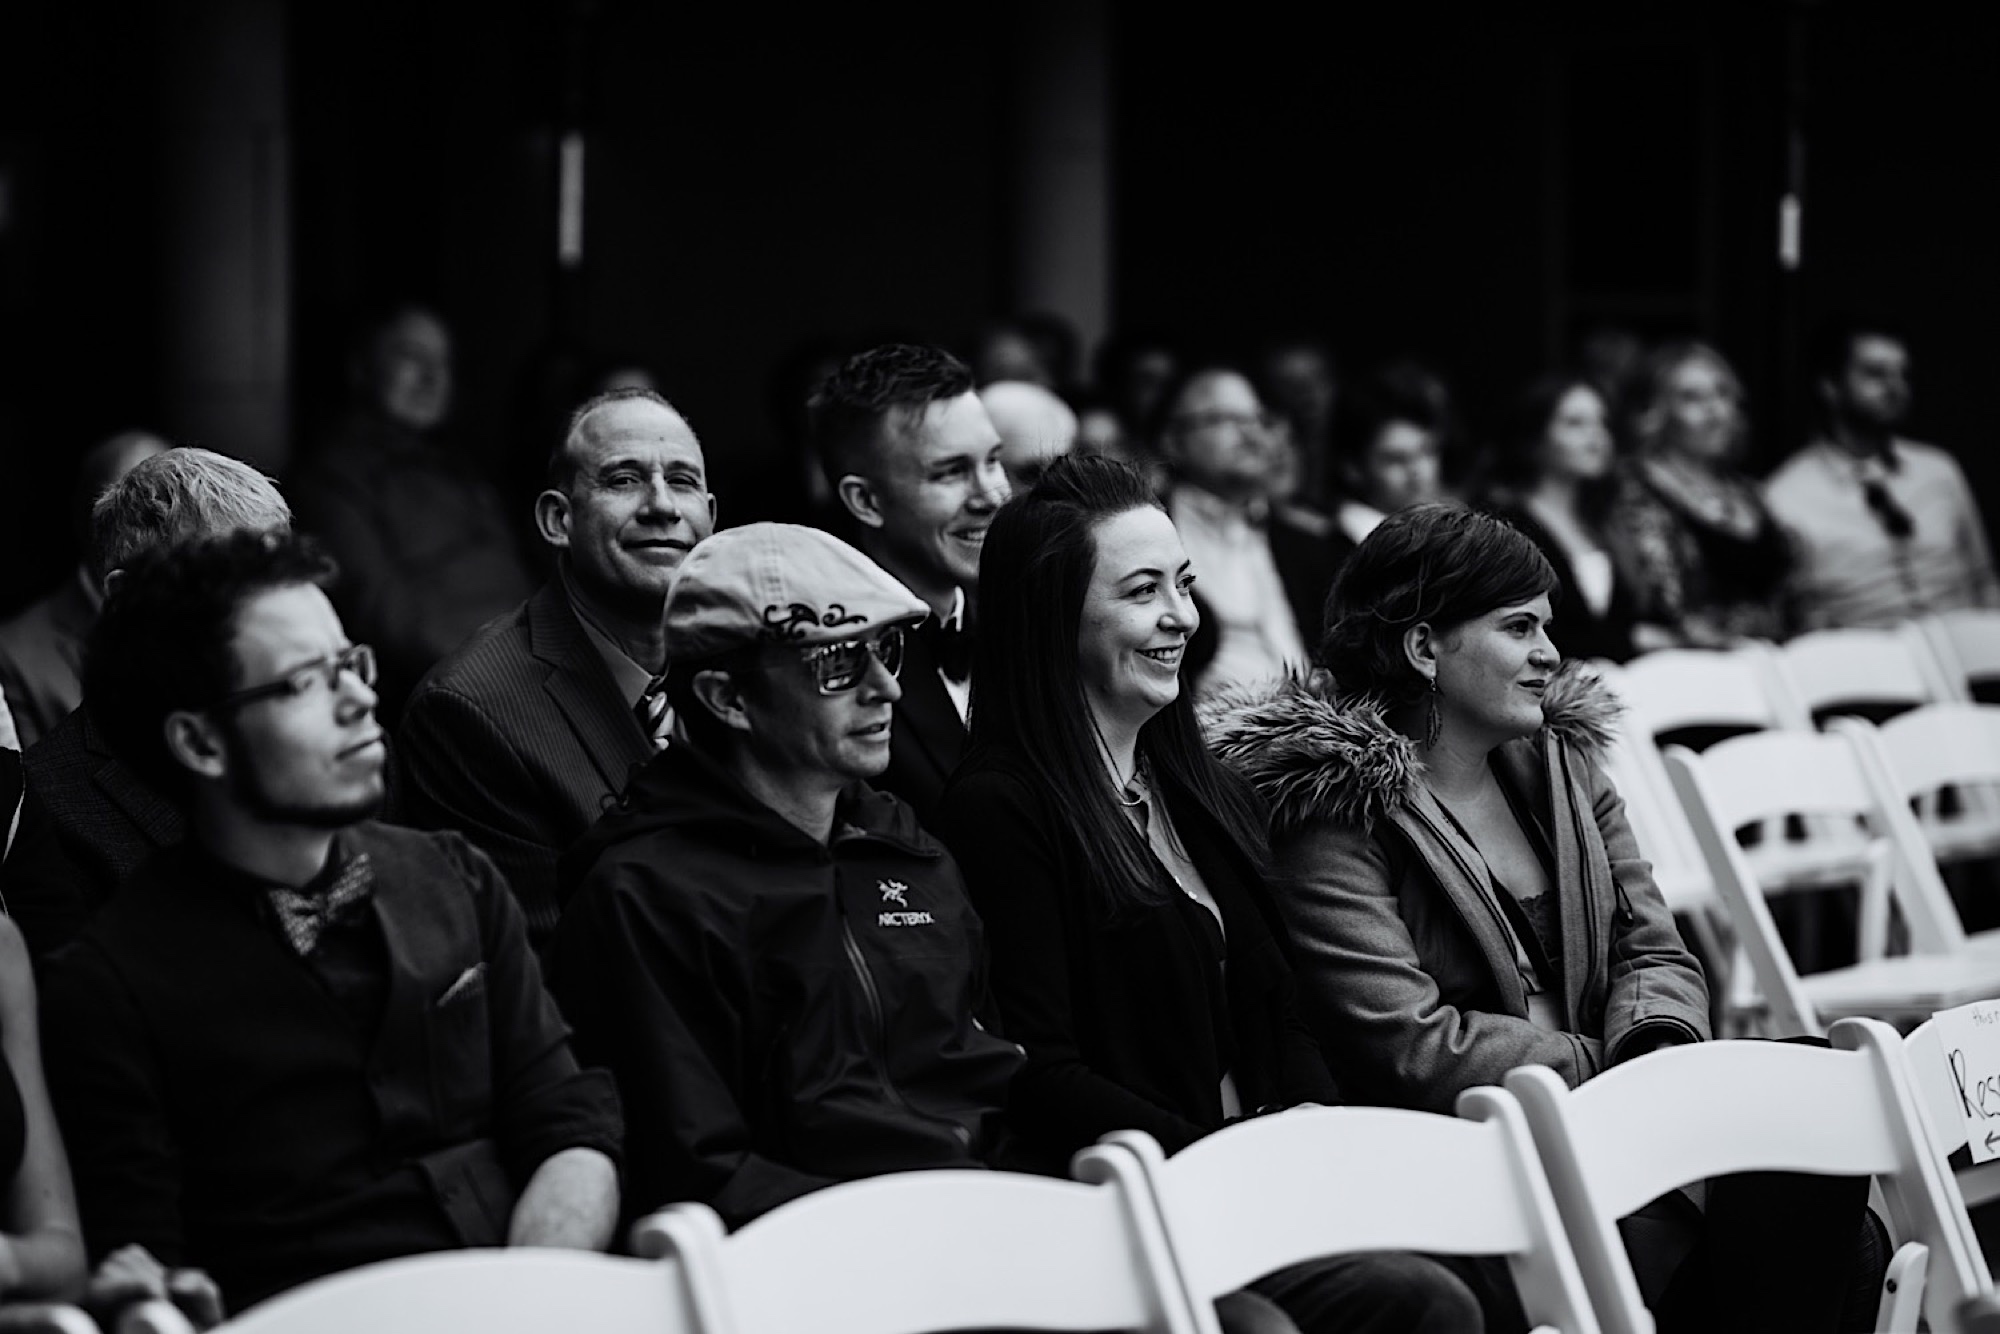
(1433, 719)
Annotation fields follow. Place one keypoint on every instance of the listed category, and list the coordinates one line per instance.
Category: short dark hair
(1027, 693)
(561, 471)
(1833, 340)
(1438, 562)
(1160, 420)
(165, 639)
(852, 403)
(1402, 391)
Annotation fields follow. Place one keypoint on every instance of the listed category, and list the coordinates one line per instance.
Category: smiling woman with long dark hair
(1462, 894)
(1120, 870)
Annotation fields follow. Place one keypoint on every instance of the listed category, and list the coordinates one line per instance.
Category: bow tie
(303, 917)
(951, 645)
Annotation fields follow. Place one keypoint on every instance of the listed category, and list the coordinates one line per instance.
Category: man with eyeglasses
(302, 1041)
(1262, 580)
(522, 737)
(779, 966)
(1882, 528)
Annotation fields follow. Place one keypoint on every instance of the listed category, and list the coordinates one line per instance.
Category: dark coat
(779, 1014)
(222, 1111)
(1406, 965)
(1577, 631)
(519, 740)
(927, 739)
(107, 819)
(1115, 1016)
(41, 659)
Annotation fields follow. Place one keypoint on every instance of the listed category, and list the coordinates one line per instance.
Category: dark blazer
(105, 818)
(519, 740)
(927, 739)
(224, 1111)
(1116, 1016)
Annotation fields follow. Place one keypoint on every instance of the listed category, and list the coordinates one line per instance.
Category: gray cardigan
(1406, 966)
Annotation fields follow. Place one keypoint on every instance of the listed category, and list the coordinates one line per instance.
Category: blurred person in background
(1394, 425)
(1883, 527)
(1004, 351)
(1129, 373)
(41, 649)
(1296, 377)
(1036, 428)
(1556, 472)
(428, 552)
(1712, 562)
(1264, 578)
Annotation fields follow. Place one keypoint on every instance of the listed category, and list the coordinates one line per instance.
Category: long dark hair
(1525, 430)
(1027, 687)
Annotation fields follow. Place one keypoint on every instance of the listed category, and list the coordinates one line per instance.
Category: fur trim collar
(1314, 755)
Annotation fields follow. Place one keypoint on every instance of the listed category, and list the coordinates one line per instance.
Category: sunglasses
(840, 667)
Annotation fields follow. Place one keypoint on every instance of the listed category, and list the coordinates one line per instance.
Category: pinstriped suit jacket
(520, 740)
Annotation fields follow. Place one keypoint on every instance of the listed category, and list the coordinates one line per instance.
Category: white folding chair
(1311, 1182)
(1773, 774)
(1953, 746)
(1967, 645)
(1830, 670)
(943, 1250)
(1684, 1114)
(1937, 1094)
(511, 1291)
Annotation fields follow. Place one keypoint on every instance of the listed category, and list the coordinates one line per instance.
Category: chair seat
(1907, 985)
(1822, 863)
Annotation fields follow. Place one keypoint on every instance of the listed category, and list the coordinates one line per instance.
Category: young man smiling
(523, 736)
(778, 965)
(915, 463)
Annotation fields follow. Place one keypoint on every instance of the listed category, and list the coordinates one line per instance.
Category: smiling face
(314, 758)
(1492, 670)
(636, 504)
(1578, 441)
(1138, 613)
(938, 482)
(795, 730)
(1702, 412)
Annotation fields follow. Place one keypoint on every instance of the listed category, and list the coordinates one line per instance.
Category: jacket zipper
(859, 962)
(1472, 878)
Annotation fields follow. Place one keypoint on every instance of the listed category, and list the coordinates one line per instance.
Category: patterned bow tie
(656, 717)
(302, 917)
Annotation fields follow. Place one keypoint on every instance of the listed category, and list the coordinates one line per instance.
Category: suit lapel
(581, 686)
(926, 719)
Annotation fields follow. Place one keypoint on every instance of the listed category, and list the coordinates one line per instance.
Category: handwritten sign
(1969, 1039)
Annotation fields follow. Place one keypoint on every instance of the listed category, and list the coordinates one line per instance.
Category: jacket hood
(1315, 755)
(683, 791)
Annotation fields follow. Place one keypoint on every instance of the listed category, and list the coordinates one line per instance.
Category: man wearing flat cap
(777, 964)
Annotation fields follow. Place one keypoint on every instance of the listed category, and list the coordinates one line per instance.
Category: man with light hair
(1036, 428)
(523, 736)
(105, 818)
(41, 650)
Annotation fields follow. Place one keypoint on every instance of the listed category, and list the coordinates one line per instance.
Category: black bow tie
(951, 645)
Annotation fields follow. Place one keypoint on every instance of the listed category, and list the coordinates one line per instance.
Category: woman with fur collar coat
(1462, 895)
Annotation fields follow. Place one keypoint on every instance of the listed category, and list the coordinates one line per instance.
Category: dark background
(1474, 184)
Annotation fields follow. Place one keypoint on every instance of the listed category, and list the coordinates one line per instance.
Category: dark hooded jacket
(782, 1015)
(1407, 967)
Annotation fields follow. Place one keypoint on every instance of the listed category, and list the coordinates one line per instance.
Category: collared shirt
(960, 691)
(1850, 570)
(1256, 637)
(630, 678)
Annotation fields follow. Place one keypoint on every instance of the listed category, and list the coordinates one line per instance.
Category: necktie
(952, 647)
(304, 916)
(656, 719)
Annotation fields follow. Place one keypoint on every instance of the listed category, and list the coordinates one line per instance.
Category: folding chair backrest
(1943, 745)
(1684, 1114)
(1792, 1013)
(943, 1250)
(1311, 1182)
(1682, 688)
(493, 1291)
(1967, 644)
(1831, 670)
(1913, 756)
(1633, 764)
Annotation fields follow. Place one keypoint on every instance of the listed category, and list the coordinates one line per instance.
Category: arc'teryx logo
(898, 893)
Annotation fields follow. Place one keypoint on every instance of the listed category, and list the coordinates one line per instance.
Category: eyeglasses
(301, 680)
(840, 667)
